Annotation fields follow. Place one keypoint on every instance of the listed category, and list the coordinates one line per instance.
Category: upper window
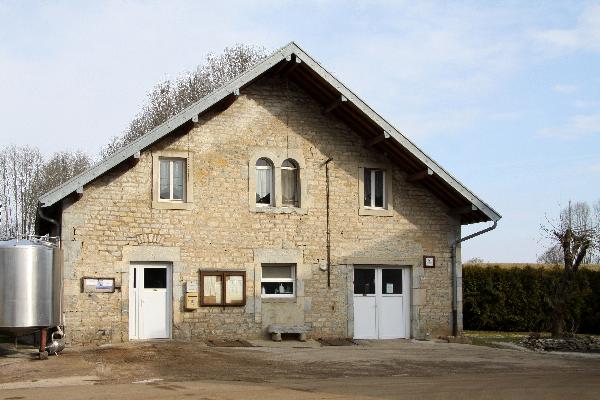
(275, 177)
(278, 280)
(172, 184)
(375, 190)
(375, 193)
(264, 182)
(172, 179)
(290, 184)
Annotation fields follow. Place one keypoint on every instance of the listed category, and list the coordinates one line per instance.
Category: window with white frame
(172, 179)
(264, 182)
(290, 184)
(278, 280)
(375, 190)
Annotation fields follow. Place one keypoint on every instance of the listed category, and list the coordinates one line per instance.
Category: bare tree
(20, 168)
(552, 255)
(577, 234)
(24, 176)
(60, 167)
(168, 98)
(475, 260)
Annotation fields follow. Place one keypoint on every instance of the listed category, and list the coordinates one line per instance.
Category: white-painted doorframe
(136, 300)
(380, 301)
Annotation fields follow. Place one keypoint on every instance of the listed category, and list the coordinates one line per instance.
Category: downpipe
(454, 274)
(328, 227)
(57, 339)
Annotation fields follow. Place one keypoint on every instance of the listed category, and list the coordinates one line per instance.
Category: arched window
(290, 183)
(264, 182)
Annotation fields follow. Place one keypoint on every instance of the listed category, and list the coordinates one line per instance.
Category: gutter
(455, 277)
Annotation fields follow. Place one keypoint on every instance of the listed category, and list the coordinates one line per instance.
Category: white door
(365, 304)
(150, 301)
(381, 303)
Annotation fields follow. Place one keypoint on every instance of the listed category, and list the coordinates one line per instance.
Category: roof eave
(70, 186)
(192, 112)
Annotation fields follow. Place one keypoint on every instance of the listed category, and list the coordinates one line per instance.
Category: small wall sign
(98, 285)
(428, 261)
(191, 287)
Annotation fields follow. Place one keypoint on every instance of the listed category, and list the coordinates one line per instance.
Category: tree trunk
(561, 301)
(558, 322)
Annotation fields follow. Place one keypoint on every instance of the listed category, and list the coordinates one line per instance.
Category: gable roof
(338, 100)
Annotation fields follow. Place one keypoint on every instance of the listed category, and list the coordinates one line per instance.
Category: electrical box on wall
(191, 301)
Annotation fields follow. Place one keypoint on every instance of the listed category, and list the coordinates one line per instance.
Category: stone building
(280, 198)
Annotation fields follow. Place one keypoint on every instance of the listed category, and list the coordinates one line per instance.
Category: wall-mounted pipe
(330, 159)
(58, 235)
(455, 277)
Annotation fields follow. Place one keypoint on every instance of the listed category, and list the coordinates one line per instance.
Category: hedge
(520, 299)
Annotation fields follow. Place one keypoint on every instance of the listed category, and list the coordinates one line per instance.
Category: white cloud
(446, 122)
(579, 103)
(565, 88)
(594, 168)
(505, 116)
(576, 127)
(585, 35)
(85, 70)
(438, 65)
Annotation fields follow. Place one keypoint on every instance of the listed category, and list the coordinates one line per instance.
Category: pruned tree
(169, 97)
(576, 233)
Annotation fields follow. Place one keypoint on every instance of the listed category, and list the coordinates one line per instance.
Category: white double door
(150, 299)
(381, 302)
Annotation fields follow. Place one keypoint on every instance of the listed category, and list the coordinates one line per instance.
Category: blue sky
(506, 96)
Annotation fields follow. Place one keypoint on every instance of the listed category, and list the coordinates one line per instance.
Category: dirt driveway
(293, 370)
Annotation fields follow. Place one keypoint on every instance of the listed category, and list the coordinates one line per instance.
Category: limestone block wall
(114, 216)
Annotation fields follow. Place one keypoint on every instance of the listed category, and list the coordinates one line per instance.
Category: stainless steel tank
(30, 286)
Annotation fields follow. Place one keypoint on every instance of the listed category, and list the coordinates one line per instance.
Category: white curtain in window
(164, 179)
(264, 185)
(289, 183)
(178, 179)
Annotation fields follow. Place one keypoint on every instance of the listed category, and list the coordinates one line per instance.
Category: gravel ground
(383, 369)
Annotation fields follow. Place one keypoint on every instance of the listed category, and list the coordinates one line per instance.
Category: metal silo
(30, 285)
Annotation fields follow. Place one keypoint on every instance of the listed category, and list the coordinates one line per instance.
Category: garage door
(381, 302)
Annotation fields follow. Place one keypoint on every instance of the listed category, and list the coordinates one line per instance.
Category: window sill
(167, 205)
(279, 210)
(278, 300)
(379, 212)
(222, 305)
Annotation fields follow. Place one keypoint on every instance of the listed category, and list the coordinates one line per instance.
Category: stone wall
(114, 216)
